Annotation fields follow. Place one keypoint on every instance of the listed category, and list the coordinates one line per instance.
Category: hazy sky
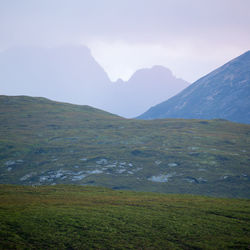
(191, 37)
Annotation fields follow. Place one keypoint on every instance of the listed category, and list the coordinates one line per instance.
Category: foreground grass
(81, 217)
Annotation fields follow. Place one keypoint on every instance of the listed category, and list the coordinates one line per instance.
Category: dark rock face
(224, 94)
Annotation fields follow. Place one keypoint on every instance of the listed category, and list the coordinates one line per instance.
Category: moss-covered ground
(83, 217)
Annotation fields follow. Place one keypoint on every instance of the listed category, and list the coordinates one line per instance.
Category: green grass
(39, 137)
(83, 217)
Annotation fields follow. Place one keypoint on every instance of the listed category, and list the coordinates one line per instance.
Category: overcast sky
(191, 37)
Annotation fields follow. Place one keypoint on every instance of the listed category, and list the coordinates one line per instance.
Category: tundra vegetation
(84, 217)
(46, 143)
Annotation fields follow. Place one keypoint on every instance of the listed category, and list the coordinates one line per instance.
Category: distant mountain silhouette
(224, 93)
(71, 74)
(144, 89)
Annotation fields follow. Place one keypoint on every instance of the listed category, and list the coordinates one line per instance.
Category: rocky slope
(224, 93)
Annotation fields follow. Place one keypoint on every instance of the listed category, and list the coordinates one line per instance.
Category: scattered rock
(102, 161)
(27, 176)
(158, 162)
(122, 166)
(172, 164)
(160, 178)
(191, 179)
(96, 171)
(201, 180)
(9, 163)
(110, 166)
(44, 178)
(78, 177)
(83, 159)
(120, 171)
(193, 153)
(193, 148)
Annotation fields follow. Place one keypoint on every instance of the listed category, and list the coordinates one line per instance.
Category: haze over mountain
(189, 37)
(71, 74)
(67, 73)
(224, 93)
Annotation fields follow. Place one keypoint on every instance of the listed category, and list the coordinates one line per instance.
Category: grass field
(83, 217)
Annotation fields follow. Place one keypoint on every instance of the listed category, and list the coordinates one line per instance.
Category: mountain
(145, 88)
(43, 142)
(71, 74)
(67, 73)
(224, 93)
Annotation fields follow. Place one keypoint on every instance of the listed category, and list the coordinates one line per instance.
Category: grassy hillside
(45, 143)
(74, 217)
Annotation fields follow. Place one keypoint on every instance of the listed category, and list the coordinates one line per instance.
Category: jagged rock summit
(223, 93)
(145, 88)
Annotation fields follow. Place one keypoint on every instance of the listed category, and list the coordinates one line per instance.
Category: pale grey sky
(191, 37)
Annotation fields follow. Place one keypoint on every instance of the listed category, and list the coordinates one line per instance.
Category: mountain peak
(146, 87)
(153, 72)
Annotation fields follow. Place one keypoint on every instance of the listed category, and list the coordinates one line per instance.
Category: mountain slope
(224, 93)
(45, 143)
